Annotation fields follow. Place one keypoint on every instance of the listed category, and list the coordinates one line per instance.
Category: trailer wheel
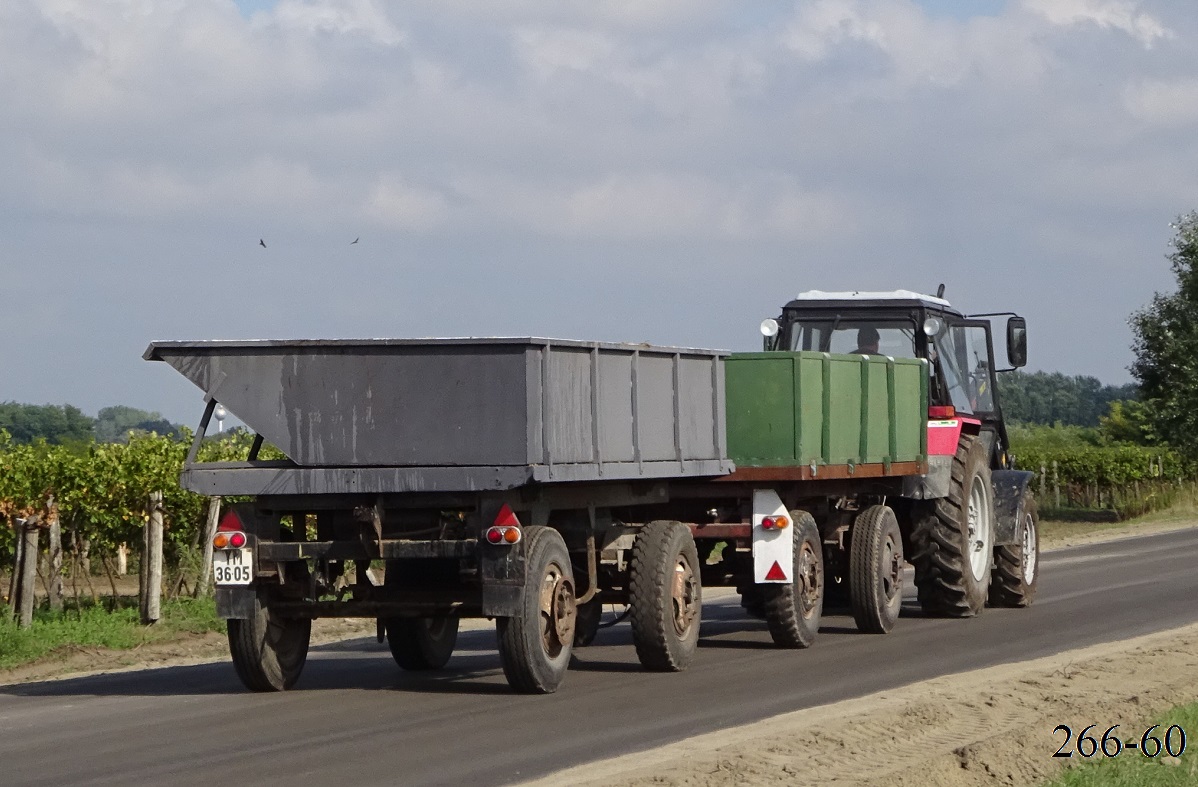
(953, 541)
(793, 611)
(586, 625)
(876, 570)
(666, 596)
(422, 643)
(1013, 583)
(535, 645)
(269, 650)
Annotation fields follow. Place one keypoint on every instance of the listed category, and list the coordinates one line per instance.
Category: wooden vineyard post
(54, 551)
(1043, 483)
(151, 601)
(201, 587)
(14, 581)
(1056, 483)
(27, 590)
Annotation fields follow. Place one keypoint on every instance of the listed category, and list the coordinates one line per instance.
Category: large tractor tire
(419, 644)
(666, 596)
(535, 646)
(876, 570)
(953, 539)
(1016, 566)
(793, 611)
(269, 650)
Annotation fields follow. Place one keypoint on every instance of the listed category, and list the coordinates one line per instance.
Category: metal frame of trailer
(604, 443)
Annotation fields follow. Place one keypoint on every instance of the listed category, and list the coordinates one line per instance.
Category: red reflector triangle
(775, 572)
(506, 517)
(230, 521)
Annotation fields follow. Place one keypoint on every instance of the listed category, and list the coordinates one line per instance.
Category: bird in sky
(355, 240)
(261, 243)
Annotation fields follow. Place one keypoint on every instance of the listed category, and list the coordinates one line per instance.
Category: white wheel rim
(1029, 549)
(978, 537)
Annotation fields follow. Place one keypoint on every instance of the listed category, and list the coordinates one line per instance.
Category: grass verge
(1132, 768)
(96, 627)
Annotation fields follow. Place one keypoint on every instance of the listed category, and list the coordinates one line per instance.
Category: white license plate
(233, 566)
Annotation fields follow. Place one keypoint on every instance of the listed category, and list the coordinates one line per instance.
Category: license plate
(233, 566)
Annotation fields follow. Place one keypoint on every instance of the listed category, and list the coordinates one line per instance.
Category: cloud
(1122, 15)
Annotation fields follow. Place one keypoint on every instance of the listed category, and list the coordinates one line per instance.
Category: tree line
(66, 424)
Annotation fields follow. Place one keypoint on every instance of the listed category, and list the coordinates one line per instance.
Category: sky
(669, 172)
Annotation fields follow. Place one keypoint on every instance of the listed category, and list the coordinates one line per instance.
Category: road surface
(355, 718)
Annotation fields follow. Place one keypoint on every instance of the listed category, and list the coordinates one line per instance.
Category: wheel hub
(1029, 549)
(978, 522)
(808, 580)
(684, 596)
(558, 611)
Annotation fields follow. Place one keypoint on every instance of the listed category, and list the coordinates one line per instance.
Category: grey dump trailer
(532, 481)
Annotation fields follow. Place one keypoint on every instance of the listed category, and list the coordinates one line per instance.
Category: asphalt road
(355, 718)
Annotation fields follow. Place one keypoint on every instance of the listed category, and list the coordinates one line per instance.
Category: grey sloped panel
(615, 407)
(402, 405)
(697, 411)
(655, 407)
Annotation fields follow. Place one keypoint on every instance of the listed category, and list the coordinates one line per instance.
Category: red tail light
(774, 523)
(237, 540)
(503, 535)
(941, 412)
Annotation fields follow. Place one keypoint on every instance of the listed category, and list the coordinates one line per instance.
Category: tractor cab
(904, 324)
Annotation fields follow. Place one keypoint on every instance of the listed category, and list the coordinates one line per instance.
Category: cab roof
(859, 298)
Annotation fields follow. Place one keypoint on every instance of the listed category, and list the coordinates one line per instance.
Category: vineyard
(99, 494)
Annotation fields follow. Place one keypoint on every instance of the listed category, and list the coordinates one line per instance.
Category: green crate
(800, 408)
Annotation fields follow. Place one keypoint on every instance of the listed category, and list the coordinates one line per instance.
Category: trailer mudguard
(1010, 494)
(235, 602)
(500, 567)
(773, 547)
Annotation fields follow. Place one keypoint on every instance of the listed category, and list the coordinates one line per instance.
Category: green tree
(56, 424)
(1166, 346)
(113, 424)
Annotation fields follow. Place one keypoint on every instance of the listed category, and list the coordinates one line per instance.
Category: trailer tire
(586, 625)
(419, 644)
(1016, 566)
(666, 596)
(535, 646)
(269, 650)
(876, 570)
(792, 611)
(953, 539)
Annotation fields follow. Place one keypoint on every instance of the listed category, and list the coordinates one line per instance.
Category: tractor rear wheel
(953, 540)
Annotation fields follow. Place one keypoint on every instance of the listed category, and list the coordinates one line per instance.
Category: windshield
(865, 337)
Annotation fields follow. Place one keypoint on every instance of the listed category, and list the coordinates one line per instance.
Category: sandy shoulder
(987, 727)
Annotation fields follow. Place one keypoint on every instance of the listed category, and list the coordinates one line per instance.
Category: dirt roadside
(987, 727)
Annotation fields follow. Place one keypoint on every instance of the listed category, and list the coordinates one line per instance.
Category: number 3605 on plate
(233, 566)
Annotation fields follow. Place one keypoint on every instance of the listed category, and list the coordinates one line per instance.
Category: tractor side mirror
(1017, 342)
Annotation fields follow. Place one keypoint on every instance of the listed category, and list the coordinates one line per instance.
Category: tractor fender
(1010, 494)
